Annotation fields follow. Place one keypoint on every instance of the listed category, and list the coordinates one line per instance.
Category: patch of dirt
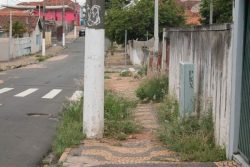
(125, 86)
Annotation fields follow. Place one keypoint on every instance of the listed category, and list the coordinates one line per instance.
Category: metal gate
(244, 138)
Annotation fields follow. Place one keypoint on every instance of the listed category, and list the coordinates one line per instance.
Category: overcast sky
(13, 2)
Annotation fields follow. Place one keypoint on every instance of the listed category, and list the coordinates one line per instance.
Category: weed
(69, 130)
(125, 73)
(153, 89)
(142, 71)
(118, 122)
(192, 138)
(41, 58)
(118, 116)
(107, 77)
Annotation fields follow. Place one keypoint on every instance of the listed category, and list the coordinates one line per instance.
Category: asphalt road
(40, 89)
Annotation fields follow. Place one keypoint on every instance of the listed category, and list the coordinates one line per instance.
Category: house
(28, 42)
(54, 10)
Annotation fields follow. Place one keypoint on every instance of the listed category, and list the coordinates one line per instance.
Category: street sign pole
(93, 110)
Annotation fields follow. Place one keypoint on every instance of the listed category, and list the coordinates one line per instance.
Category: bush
(153, 89)
(142, 71)
(69, 130)
(192, 138)
(125, 73)
(119, 120)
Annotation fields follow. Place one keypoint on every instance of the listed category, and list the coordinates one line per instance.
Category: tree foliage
(222, 11)
(139, 19)
(18, 29)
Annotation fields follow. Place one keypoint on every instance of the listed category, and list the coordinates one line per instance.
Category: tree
(139, 19)
(18, 29)
(222, 11)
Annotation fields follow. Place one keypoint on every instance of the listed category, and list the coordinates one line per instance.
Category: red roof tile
(29, 21)
(192, 17)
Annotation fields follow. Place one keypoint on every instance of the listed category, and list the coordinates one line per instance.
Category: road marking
(76, 96)
(52, 94)
(5, 90)
(26, 92)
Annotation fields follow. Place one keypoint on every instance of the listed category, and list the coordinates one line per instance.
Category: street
(30, 100)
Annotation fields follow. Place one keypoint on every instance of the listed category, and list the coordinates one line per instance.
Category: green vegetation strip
(69, 130)
(153, 89)
(193, 138)
(119, 122)
(119, 119)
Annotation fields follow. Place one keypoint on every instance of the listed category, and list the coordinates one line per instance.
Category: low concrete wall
(19, 47)
(209, 48)
(139, 51)
(4, 47)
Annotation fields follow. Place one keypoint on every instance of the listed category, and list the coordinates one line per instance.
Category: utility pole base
(43, 47)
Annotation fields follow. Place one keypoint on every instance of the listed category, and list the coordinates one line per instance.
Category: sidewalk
(32, 59)
(139, 150)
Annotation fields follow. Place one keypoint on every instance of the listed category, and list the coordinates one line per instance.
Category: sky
(13, 2)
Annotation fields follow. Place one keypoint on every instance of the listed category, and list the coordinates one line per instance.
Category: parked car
(82, 33)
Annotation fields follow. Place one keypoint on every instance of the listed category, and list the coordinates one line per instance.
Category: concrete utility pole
(156, 29)
(75, 22)
(10, 36)
(93, 111)
(63, 26)
(43, 41)
(125, 45)
(211, 12)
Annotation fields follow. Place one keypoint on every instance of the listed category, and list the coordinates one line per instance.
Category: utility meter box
(186, 89)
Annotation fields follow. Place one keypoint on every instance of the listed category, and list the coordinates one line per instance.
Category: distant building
(55, 14)
(31, 24)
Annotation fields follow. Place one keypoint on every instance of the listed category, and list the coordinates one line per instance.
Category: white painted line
(76, 96)
(52, 94)
(26, 92)
(5, 90)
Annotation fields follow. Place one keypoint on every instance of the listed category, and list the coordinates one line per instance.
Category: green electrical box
(186, 89)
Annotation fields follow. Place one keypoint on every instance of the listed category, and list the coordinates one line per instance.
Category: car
(82, 33)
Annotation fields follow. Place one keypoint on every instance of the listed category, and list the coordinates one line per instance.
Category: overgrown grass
(107, 77)
(41, 58)
(153, 89)
(192, 138)
(143, 71)
(125, 73)
(119, 120)
(69, 130)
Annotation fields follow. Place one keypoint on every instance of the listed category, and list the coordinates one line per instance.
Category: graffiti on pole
(95, 13)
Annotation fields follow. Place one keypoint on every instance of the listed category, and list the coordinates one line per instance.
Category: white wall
(210, 49)
(36, 47)
(136, 53)
(4, 47)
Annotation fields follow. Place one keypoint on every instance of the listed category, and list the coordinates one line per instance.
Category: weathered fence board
(209, 48)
